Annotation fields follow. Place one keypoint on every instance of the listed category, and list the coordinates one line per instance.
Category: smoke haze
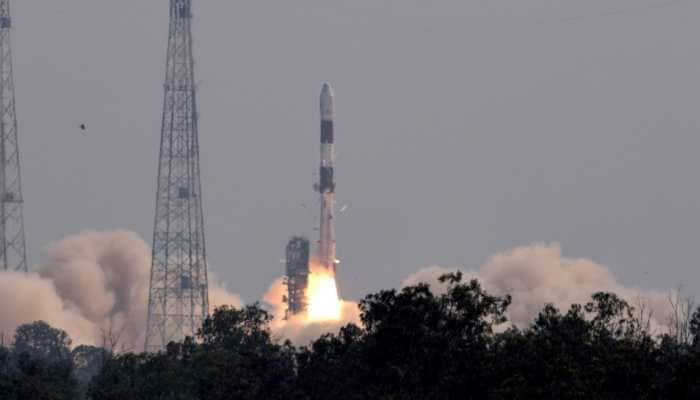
(538, 274)
(92, 284)
(97, 282)
(28, 297)
(103, 277)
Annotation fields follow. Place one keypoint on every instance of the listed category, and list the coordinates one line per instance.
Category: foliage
(412, 343)
(234, 357)
(38, 365)
(40, 340)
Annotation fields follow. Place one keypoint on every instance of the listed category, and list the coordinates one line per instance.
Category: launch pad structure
(13, 253)
(297, 275)
(178, 298)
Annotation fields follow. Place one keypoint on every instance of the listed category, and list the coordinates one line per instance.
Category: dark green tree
(425, 346)
(121, 377)
(238, 359)
(234, 357)
(39, 365)
(334, 367)
(87, 362)
(592, 352)
(5, 373)
(695, 327)
(41, 341)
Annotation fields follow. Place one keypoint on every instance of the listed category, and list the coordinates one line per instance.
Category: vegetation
(413, 344)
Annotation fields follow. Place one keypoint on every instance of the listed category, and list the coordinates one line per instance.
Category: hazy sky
(464, 128)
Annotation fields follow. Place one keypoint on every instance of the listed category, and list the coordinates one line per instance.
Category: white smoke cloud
(92, 284)
(538, 274)
(29, 297)
(102, 276)
(219, 295)
(96, 281)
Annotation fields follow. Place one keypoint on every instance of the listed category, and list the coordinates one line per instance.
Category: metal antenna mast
(13, 255)
(178, 295)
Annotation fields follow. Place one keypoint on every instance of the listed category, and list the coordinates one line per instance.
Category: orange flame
(322, 296)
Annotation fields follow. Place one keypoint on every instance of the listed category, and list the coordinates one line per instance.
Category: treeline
(413, 344)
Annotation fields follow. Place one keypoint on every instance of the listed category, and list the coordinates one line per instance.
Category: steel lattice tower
(13, 255)
(178, 295)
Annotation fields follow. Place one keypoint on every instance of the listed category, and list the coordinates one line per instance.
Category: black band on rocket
(326, 185)
(326, 131)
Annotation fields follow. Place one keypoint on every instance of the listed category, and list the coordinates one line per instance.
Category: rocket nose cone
(326, 88)
(327, 111)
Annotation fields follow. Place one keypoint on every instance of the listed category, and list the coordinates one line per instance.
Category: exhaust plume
(102, 276)
(538, 274)
(303, 328)
(96, 283)
(93, 285)
(26, 298)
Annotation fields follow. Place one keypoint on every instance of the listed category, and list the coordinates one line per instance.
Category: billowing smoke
(103, 277)
(94, 285)
(538, 274)
(219, 294)
(26, 298)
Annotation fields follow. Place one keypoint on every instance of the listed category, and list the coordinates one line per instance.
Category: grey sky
(464, 128)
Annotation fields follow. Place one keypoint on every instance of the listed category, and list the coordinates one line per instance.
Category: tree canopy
(412, 343)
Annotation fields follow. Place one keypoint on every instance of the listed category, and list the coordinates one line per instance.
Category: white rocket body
(326, 184)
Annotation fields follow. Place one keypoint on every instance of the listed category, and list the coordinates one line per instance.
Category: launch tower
(297, 274)
(13, 255)
(178, 294)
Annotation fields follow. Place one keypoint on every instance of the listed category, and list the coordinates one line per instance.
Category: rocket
(326, 184)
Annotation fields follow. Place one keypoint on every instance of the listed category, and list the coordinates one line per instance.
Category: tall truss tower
(13, 255)
(178, 294)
